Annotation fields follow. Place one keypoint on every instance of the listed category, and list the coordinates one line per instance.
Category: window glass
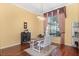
(54, 26)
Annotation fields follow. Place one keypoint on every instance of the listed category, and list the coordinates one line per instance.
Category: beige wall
(72, 15)
(11, 24)
(56, 40)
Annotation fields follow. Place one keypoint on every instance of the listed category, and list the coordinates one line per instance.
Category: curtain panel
(61, 15)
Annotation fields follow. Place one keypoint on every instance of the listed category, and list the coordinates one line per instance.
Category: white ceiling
(37, 7)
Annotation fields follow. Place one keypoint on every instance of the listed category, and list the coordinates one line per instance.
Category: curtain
(45, 21)
(61, 18)
(61, 15)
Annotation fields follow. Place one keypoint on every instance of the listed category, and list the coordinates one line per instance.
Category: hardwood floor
(18, 50)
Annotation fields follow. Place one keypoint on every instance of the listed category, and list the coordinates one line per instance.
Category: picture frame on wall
(25, 25)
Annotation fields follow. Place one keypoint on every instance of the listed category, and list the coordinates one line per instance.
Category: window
(54, 26)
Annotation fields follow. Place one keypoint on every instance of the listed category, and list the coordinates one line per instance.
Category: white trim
(68, 44)
(64, 44)
(9, 45)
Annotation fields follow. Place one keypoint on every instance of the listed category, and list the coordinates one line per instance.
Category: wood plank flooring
(18, 50)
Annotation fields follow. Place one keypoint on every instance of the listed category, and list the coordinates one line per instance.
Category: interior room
(39, 29)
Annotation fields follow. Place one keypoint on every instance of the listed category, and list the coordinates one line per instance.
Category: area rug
(44, 52)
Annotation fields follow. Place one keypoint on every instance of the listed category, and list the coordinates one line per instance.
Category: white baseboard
(64, 44)
(9, 46)
(20, 43)
(68, 44)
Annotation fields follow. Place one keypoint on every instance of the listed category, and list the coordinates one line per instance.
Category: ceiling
(40, 8)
